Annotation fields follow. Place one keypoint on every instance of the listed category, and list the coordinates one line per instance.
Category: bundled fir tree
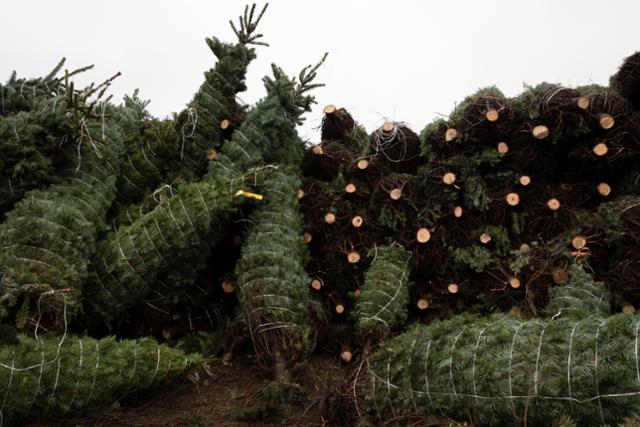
(38, 131)
(381, 307)
(50, 236)
(178, 149)
(271, 278)
(48, 378)
(176, 237)
(501, 370)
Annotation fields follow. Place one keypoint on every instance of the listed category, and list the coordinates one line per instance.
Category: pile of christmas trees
(508, 234)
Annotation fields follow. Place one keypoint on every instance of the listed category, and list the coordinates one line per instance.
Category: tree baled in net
(178, 149)
(271, 278)
(501, 370)
(382, 305)
(39, 128)
(268, 132)
(175, 236)
(47, 378)
(50, 236)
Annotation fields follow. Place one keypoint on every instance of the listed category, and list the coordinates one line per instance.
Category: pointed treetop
(248, 26)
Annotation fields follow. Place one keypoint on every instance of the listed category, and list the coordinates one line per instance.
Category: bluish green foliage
(382, 306)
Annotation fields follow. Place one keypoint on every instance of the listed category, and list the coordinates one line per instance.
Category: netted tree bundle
(48, 378)
(272, 283)
(501, 370)
(326, 160)
(397, 145)
(50, 236)
(268, 132)
(337, 124)
(42, 122)
(214, 111)
(627, 80)
(440, 139)
(382, 305)
(23, 95)
(486, 116)
(175, 236)
(607, 111)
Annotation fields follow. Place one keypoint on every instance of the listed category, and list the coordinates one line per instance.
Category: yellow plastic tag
(249, 195)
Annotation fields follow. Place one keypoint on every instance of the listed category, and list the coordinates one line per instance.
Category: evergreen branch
(247, 26)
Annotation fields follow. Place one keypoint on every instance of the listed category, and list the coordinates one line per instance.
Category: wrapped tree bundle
(501, 370)
(382, 305)
(47, 378)
(179, 148)
(39, 133)
(175, 236)
(50, 236)
(271, 278)
(627, 80)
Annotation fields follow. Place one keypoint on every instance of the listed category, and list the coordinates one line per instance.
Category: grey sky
(402, 60)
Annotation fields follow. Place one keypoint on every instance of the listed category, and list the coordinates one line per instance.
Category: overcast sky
(400, 60)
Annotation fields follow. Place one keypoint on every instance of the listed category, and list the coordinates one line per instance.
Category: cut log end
(353, 257)
(224, 125)
(357, 221)
(423, 235)
(524, 248)
(492, 115)
(604, 189)
(450, 135)
(628, 309)
(346, 354)
(318, 150)
(606, 121)
(330, 109)
(600, 149)
(540, 132)
(350, 188)
(357, 293)
(449, 178)
(307, 238)
(388, 127)
(583, 102)
(422, 304)
(316, 284)
(514, 282)
(579, 242)
(227, 287)
(330, 218)
(503, 148)
(300, 193)
(395, 194)
(524, 180)
(485, 238)
(362, 164)
(453, 288)
(339, 308)
(457, 211)
(212, 154)
(513, 199)
(559, 276)
(553, 204)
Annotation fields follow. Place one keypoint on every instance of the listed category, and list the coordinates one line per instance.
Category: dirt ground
(226, 396)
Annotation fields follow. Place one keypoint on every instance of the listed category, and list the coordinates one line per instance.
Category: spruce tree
(50, 236)
(271, 278)
(55, 376)
(177, 150)
(500, 370)
(382, 305)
